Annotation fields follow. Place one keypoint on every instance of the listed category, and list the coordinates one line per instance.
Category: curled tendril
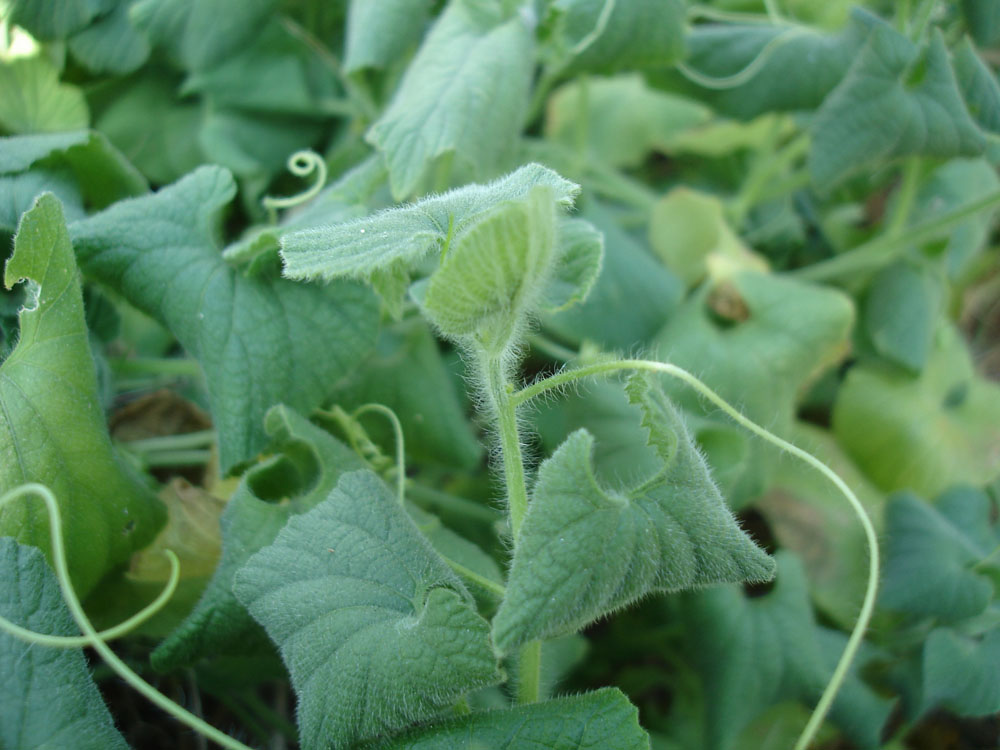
(741, 76)
(397, 428)
(301, 164)
(97, 640)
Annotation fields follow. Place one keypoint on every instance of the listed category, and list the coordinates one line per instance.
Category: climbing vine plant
(577, 374)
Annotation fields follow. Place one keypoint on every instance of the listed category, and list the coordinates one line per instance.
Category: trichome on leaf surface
(574, 374)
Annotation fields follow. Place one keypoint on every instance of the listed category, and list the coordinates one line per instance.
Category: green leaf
(758, 340)
(689, 232)
(307, 464)
(259, 340)
(52, 427)
(353, 582)
(32, 100)
(18, 193)
(579, 256)
(951, 186)
(404, 235)
(631, 298)
(452, 100)
(982, 19)
(493, 274)
(103, 174)
(55, 19)
(900, 312)
(49, 699)
(636, 34)
(111, 44)
(801, 68)
(922, 433)
(592, 721)
(896, 100)
(960, 673)
(753, 653)
(379, 33)
(621, 119)
(408, 375)
(585, 550)
(154, 129)
(192, 33)
(932, 551)
(288, 76)
(979, 86)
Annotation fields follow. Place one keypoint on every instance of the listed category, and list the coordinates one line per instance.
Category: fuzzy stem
(867, 607)
(499, 390)
(94, 638)
(529, 672)
(397, 429)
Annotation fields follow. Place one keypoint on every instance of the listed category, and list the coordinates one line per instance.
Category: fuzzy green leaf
(379, 33)
(579, 257)
(404, 235)
(922, 433)
(961, 674)
(52, 427)
(493, 274)
(259, 340)
(932, 551)
(307, 464)
(102, 173)
(629, 301)
(636, 34)
(585, 550)
(452, 100)
(353, 582)
(896, 100)
(18, 194)
(49, 699)
(592, 721)
(191, 32)
(32, 100)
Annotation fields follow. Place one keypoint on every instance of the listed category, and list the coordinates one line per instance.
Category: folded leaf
(896, 100)
(592, 721)
(578, 262)
(922, 433)
(351, 583)
(308, 463)
(491, 278)
(404, 235)
(451, 98)
(259, 340)
(49, 699)
(585, 550)
(932, 552)
(52, 427)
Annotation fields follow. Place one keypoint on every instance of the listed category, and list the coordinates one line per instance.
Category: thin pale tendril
(92, 637)
(741, 76)
(397, 428)
(867, 607)
(300, 164)
(599, 28)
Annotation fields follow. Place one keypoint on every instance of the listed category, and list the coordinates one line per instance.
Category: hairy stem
(867, 607)
(529, 672)
(499, 390)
